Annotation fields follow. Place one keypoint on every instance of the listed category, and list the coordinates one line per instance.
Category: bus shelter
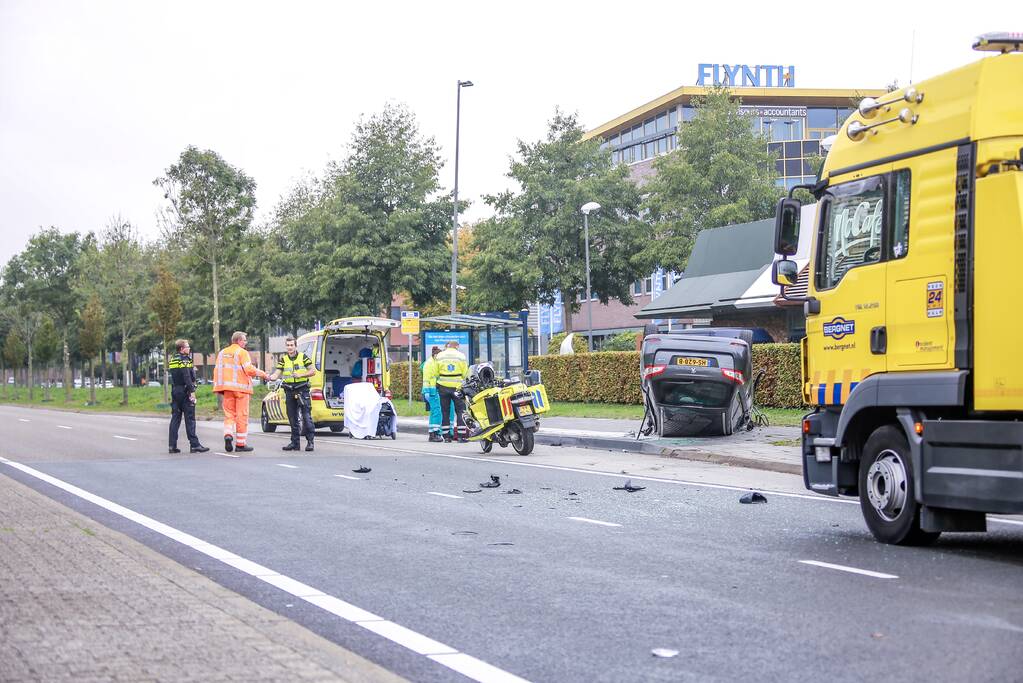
(499, 338)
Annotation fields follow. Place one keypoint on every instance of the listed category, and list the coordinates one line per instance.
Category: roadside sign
(410, 322)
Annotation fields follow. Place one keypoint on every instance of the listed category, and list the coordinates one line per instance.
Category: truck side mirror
(784, 273)
(786, 226)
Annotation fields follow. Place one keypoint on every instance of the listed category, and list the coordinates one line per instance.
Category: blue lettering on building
(839, 328)
(744, 75)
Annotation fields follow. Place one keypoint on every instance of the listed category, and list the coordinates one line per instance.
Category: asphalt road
(568, 580)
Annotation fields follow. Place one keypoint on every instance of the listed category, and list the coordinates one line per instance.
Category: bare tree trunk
(67, 370)
(103, 367)
(216, 297)
(3, 376)
(46, 384)
(92, 382)
(31, 377)
(568, 317)
(124, 368)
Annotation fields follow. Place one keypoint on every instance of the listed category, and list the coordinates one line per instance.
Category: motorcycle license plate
(692, 362)
(525, 410)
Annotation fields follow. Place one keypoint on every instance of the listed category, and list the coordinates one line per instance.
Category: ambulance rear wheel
(336, 428)
(264, 422)
(521, 439)
(886, 490)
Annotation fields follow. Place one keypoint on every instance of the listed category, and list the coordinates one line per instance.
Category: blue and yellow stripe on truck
(826, 391)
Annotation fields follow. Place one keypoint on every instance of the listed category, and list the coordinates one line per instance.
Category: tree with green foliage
(47, 349)
(14, 353)
(211, 208)
(373, 227)
(533, 248)
(165, 307)
(47, 269)
(25, 322)
(720, 174)
(91, 338)
(118, 268)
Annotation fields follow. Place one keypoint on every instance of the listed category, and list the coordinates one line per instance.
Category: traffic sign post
(410, 327)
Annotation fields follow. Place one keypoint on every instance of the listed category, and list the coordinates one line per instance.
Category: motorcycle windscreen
(694, 407)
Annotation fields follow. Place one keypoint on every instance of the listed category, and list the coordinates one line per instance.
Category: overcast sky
(98, 98)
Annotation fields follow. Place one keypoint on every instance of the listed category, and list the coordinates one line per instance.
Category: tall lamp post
(586, 209)
(454, 219)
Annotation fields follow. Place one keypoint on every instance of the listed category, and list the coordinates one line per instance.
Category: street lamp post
(454, 220)
(586, 209)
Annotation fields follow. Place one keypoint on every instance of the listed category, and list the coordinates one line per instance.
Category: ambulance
(914, 303)
(346, 350)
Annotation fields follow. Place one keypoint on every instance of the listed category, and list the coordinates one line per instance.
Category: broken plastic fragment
(753, 497)
(471, 490)
(512, 491)
(363, 469)
(494, 482)
(629, 487)
(663, 652)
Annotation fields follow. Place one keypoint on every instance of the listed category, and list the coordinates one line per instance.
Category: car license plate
(525, 410)
(693, 362)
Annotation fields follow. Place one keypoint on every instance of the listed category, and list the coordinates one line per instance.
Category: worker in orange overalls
(232, 378)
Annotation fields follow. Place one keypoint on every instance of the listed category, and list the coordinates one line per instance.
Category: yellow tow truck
(913, 309)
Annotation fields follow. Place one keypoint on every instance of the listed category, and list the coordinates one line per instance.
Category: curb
(627, 445)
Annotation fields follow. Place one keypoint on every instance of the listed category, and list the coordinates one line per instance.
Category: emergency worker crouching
(452, 368)
(232, 378)
(296, 368)
(182, 375)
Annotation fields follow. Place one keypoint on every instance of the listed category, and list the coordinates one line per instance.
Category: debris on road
(471, 490)
(465, 533)
(501, 543)
(363, 470)
(494, 482)
(511, 491)
(753, 497)
(663, 652)
(629, 487)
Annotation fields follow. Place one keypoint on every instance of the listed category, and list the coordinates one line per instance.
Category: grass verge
(145, 399)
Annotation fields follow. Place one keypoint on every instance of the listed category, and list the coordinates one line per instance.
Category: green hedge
(613, 376)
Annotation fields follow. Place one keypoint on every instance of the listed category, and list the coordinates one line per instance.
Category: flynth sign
(759, 76)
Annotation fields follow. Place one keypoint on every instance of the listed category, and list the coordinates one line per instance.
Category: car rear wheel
(264, 422)
(886, 490)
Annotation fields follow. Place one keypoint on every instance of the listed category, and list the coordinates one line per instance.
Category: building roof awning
(476, 322)
(705, 295)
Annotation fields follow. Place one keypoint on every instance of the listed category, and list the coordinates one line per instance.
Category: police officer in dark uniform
(296, 368)
(183, 397)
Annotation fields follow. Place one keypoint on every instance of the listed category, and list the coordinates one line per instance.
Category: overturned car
(698, 382)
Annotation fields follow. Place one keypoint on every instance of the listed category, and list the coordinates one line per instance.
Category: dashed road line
(290, 467)
(126, 438)
(593, 521)
(345, 476)
(851, 570)
(443, 495)
(21, 419)
(63, 427)
(436, 651)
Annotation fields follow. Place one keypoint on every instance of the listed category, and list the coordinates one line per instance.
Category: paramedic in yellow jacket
(452, 368)
(232, 378)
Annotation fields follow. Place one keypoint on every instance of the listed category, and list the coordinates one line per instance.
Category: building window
(673, 117)
(688, 113)
(649, 284)
(662, 122)
(649, 126)
(662, 145)
(637, 287)
(626, 136)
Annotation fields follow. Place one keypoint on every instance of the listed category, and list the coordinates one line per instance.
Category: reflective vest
(181, 372)
(430, 373)
(451, 368)
(289, 368)
(233, 371)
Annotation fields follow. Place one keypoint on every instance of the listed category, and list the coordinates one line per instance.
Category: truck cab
(911, 310)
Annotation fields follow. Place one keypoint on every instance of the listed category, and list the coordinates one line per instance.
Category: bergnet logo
(839, 328)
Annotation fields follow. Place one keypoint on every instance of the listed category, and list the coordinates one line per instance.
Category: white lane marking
(1004, 521)
(290, 467)
(439, 652)
(21, 419)
(126, 438)
(594, 521)
(345, 476)
(63, 427)
(561, 468)
(227, 455)
(444, 495)
(853, 570)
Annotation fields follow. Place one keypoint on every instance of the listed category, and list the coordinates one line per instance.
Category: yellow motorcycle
(503, 411)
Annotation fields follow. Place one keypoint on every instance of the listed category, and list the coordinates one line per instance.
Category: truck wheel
(264, 421)
(886, 490)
